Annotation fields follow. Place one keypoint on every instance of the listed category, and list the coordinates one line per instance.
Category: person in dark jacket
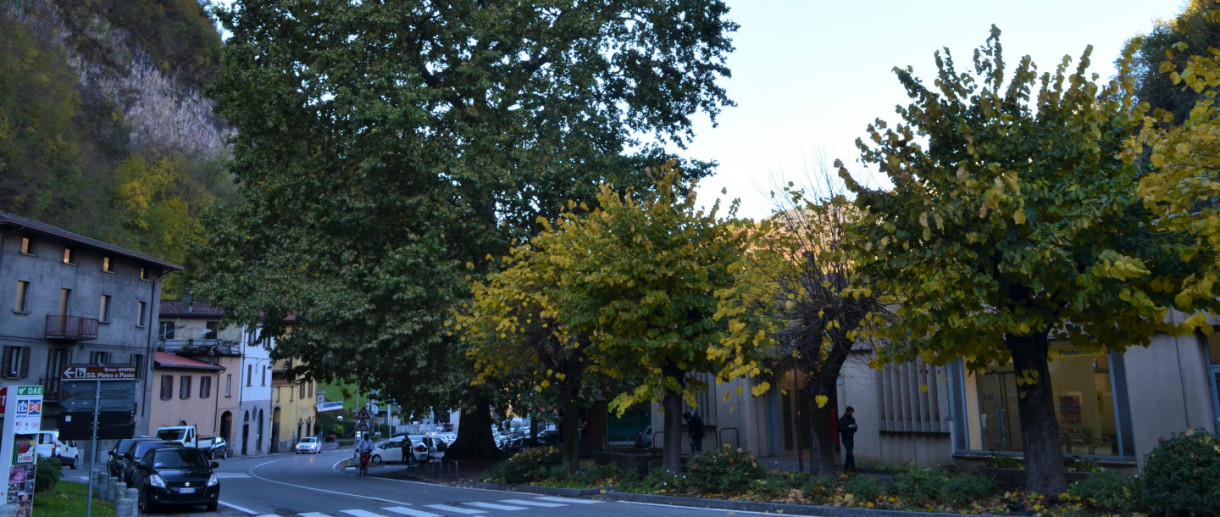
(694, 425)
(847, 432)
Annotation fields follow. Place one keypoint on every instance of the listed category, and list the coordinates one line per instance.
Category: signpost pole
(97, 403)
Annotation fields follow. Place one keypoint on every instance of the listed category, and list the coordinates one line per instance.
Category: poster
(1069, 409)
(28, 417)
(24, 450)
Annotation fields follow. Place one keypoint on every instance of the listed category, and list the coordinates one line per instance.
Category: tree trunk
(671, 455)
(474, 438)
(822, 454)
(1044, 471)
(571, 432)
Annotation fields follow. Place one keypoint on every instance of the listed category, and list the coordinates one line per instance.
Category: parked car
(49, 445)
(391, 451)
(138, 451)
(309, 444)
(116, 463)
(214, 448)
(644, 438)
(176, 476)
(425, 446)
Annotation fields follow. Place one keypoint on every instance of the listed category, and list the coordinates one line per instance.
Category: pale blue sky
(810, 75)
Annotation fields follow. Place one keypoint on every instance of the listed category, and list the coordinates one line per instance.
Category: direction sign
(100, 373)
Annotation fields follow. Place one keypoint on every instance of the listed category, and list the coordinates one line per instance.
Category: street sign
(361, 427)
(77, 397)
(100, 373)
(330, 406)
(362, 415)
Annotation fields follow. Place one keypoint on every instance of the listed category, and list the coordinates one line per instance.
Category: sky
(810, 75)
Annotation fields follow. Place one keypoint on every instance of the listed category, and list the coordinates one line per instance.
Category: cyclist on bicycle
(364, 448)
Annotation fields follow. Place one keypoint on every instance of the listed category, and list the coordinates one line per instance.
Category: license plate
(186, 490)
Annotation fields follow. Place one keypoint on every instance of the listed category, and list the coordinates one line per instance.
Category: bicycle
(364, 463)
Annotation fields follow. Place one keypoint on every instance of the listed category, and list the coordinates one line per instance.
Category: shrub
(1103, 492)
(965, 488)
(48, 473)
(920, 485)
(658, 481)
(530, 465)
(822, 487)
(590, 475)
(1182, 475)
(725, 469)
(779, 485)
(863, 488)
(1078, 464)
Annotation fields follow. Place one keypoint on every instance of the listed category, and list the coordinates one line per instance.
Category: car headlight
(213, 480)
(156, 481)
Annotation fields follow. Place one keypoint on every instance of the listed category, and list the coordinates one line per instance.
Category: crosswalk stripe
(361, 513)
(494, 506)
(455, 509)
(567, 500)
(532, 503)
(407, 511)
(313, 514)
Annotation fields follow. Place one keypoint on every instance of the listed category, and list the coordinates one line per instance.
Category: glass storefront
(1084, 405)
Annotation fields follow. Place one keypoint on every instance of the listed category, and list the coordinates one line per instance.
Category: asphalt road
(311, 485)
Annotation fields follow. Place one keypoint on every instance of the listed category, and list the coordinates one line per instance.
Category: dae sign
(100, 373)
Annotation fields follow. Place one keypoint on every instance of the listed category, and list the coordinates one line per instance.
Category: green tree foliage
(381, 144)
(1013, 221)
(1193, 32)
(628, 290)
(799, 279)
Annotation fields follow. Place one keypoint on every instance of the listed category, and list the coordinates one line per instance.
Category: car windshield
(124, 445)
(308, 440)
(178, 458)
(170, 434)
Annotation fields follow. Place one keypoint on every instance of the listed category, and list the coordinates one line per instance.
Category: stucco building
(191, 328)
(186, 393)
(294, 408)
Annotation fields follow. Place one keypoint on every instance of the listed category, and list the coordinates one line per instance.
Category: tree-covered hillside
(66, 157)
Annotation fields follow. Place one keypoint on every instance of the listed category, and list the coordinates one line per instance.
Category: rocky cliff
(160, 108)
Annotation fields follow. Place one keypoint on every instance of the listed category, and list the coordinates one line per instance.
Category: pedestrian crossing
(481, 508)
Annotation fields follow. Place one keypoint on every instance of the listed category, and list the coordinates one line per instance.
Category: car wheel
(145, 503)
(212, 506)
(224, 453)
(376, 459)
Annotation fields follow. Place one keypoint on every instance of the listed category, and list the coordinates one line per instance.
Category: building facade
(254, 423)
(294, 407)
(191, 328)
(72, 300)
(186, 393)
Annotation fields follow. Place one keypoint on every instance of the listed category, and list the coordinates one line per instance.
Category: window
(264, 375)
(205, 387)
(107, 266)
(140, 314)
(249, 375)
(56, 363)
(143, 274)
(184, 387)
(65, 295)
(99, 357)
(27, 246)
(69, 256)
(166, 329)
(23, 289)
(103, 312)
(229, 385)
(167, 387)
(16, 362)
(302, 395)
(137, 360)
(211, 332)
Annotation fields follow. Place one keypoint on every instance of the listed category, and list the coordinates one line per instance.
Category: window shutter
(8, 360)
(25, 361)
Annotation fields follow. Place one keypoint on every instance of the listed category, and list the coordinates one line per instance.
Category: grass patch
(67, 499)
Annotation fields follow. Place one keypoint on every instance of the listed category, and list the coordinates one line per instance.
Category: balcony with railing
(70, 328)
(190, 347)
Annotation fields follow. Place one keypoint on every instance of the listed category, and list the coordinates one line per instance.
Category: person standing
(694, 425)
(847, 431)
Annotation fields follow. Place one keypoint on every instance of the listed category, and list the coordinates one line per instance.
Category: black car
(138, 451)
(176, 476)
(115, 464)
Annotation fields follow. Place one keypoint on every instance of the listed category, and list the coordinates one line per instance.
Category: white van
(50, 445)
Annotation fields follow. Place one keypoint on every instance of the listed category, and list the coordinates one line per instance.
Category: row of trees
(383, 146)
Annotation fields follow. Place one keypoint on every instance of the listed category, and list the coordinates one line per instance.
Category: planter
(628, 459)
(1014, 479)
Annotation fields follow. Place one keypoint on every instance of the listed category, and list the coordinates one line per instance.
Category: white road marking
(361, 513)
(240, 509)
(532, 503)
(454, 509)
(313, 514)
(568, 500)
(407, 511)
(494, 506)
(232, 475)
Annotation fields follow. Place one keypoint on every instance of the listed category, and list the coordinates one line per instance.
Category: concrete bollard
(133, 496)
(122, 507)
(120, 488)
(105, 489)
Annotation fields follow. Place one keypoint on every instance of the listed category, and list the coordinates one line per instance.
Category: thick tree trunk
(571, 432)
(474, 438)
(1044, 470)
(822, 455)
(671, 456)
